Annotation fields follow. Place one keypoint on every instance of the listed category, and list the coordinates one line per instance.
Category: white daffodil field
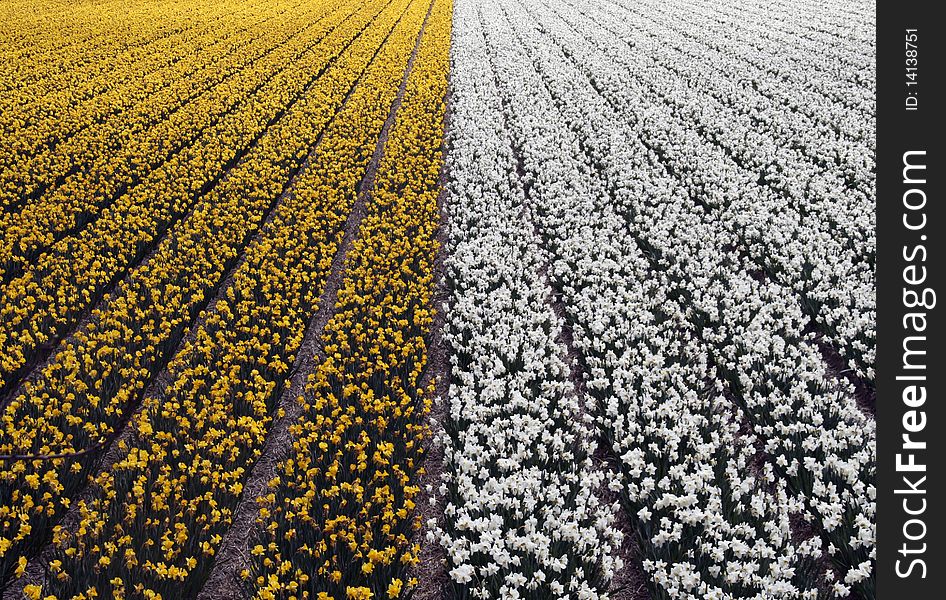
(661, 262)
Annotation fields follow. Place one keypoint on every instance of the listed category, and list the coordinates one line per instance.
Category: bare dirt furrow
(224, 582)
(431, 573)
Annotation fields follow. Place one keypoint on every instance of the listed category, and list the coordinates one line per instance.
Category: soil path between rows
(224, 582)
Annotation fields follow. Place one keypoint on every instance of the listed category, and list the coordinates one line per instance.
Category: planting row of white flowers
(522, 514)
(708, 526)
(828, 132)
(797, 222)
(834, 66)
(753, 330)
(669, 315)
(831, 29)
(812, 127)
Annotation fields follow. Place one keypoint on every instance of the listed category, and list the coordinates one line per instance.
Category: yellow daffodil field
(171, 223)
(437, 300)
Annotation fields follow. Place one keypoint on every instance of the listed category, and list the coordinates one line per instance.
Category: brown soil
(431, 572)
(865, 392)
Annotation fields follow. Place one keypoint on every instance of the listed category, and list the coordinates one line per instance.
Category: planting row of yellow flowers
(157, 518)
(39, 117)
(41, 33)
(75, 179)
(88, 388)
(338, 519)
(48, 42)
(49, 103)
(87, 172)
(46, 301)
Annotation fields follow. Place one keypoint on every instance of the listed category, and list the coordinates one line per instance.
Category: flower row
(61, 93)
(45, 303)
(522, 516)
(339, 517)
(74, 180)
(823, 244)
(157, 518)
(685, 348)
(97, 376)
(708, 528)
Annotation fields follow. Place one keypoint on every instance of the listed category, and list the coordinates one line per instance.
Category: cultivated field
(662, 237)
(380, 299)
(168, 259)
